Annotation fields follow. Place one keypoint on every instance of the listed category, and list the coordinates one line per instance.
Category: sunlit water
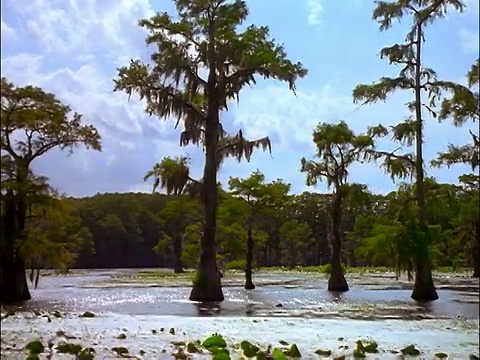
(300, 295)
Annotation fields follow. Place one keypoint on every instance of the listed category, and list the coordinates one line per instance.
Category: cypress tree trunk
(249, 257)
(336, 281)
(423, 289)
(13, 280)
(207, 285)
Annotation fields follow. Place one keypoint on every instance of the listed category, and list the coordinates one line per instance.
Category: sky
(73, 48)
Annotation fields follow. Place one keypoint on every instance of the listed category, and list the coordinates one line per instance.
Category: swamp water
(137, 309)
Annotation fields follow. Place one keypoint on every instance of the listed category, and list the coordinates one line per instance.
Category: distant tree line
(156, 230)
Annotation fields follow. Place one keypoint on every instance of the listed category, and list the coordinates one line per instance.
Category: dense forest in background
(139, 230)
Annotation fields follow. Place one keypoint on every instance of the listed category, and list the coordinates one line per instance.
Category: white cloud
(276, 111)
(91, 32)
(315, 9)
(7, 33)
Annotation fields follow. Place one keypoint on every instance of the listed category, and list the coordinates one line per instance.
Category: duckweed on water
(249, 350)
(193, 348)
(216, 340)
(35, 347)
(323, 352)
(68, 348)
(120, 350)
(87, 314)
(410, 350)
(217, 346)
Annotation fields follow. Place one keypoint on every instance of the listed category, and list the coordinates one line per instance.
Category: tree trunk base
(207, 286)
(424, 289)
(13, 284)
(337, 281)
(249, 286)
(248, 279)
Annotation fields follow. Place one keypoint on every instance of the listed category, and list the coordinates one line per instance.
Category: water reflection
(336, 297)
(208, 309)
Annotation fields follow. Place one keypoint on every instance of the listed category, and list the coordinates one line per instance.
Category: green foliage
(337, 148)
(171, 174)
(43, 122)
(131, 223)
(239, 264)
(35, 223)
(173, 86)
(293, 236)
(35, 347)
(200, 280)
(53, 237)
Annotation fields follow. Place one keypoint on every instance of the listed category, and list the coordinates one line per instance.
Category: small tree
(33, 122)
(173, 175)
(205, 37)
(176, 216)
(54, 236)
(258, 196)
(417, 78)
(338, 148)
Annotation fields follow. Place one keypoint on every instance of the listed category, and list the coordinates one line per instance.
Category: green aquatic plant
(410, 350)
(278, 354)
(216, 340)
(193, 348)
(323, 352)
(249, 349)
(87, 314)
(293, 351)
(367, 346)
(35, 347)
(68, 348)
(120, 350)
(86, 354)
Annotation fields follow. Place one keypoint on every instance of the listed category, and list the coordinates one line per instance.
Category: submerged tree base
(207, 286)
(249, 286)
(13, 284)
(424, 289)
(337, 282)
